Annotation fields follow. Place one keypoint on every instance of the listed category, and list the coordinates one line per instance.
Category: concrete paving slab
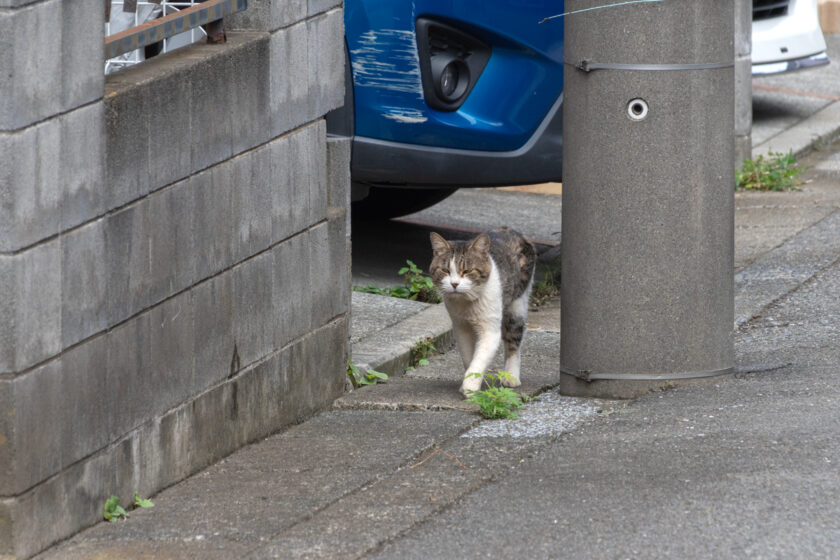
(820, 126)
(270, 486)
(374, 313)
(389, 349)
(781, 270)
(687, 474)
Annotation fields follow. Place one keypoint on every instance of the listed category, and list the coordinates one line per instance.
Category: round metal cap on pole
(648, 203)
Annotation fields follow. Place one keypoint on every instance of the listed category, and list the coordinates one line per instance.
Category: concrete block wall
(174, 254)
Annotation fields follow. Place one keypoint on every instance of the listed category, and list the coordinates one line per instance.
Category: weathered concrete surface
(174, 253)
(744, 466)
(388, 349)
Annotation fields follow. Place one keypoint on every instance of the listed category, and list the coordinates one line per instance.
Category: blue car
(443, 94)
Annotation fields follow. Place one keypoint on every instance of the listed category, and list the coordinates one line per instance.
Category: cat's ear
(440, 246)
(481, 244)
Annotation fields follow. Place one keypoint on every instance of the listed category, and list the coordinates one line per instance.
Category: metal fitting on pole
(648, 202)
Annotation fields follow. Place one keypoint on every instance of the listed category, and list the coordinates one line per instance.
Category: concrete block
(252, 202)
(327, 269)
(169, 232)
(82, 51)
(209, 107)
(318, 6)
(248, 68)
(254, 318)
(58, 416)
(82, 165)
(285, 199)
(127, 145)
(323, 276)
(300, 177)
(292, 298)
(128, 251)
(326, 62)
(216, 353)
(289, 79)
(83, 410)
(172, 342)
(338, 172)
(51, 177)
(268, 15)
(130, 381)
(84, 304)
(66, 502)
(33, 442)
(213, 220)
(30, 306)
(168, 105)
(31, 88)
(318, 197)
(318, 367)
(30, 189)
(63, 73)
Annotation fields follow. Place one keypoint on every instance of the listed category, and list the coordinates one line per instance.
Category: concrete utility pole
(648, 206)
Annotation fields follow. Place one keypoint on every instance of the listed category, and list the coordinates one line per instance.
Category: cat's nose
(454, 285)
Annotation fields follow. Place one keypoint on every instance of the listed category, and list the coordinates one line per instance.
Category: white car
(786, 36)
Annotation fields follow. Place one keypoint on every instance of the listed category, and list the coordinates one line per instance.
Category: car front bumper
(383, 162)
(766, 69)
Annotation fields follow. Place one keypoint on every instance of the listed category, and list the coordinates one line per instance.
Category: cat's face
(460, 267)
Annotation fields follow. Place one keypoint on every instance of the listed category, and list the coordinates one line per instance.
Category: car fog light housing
(451, 62)
(451, 77)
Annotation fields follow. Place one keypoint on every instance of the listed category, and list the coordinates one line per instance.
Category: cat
(485, 284)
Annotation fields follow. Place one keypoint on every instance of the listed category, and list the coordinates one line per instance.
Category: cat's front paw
(471, 384)
(510, 381)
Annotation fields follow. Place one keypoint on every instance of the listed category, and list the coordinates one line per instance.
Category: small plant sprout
(778, 172)
(496, 402)
(113, 510)
(421, 351)
(416, 286)
(370, 377)
(142, 502)
(420, 286)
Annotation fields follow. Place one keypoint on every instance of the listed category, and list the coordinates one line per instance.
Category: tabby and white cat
(485, 285)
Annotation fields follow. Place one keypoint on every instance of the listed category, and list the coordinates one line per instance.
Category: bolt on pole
(648, 203)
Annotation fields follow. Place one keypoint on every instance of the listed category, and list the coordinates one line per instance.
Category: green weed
(370, 377)
(113, 510)
(142, 502)
(421, 351)
(778, 172)
(416, 286)
(420, 286)
(496, 402)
